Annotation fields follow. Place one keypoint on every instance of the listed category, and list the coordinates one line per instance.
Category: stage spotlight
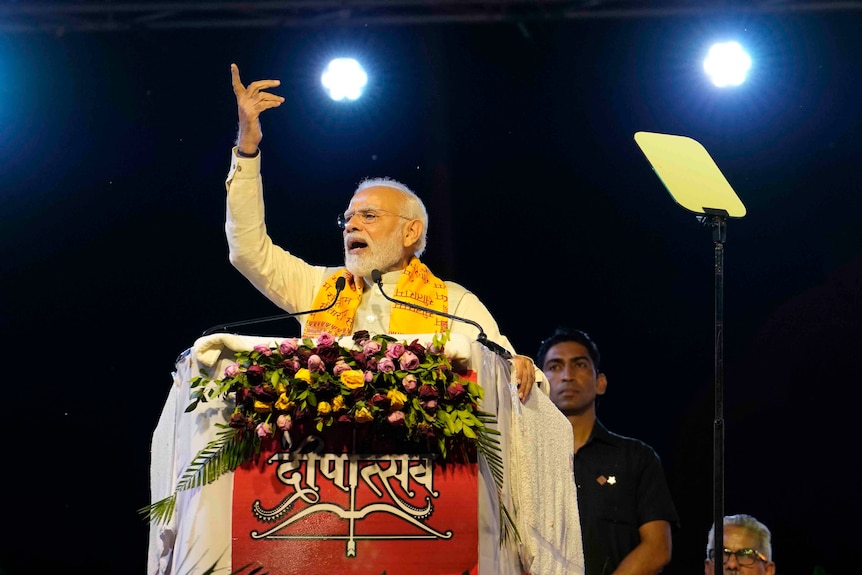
(727, 64)
(344, 78)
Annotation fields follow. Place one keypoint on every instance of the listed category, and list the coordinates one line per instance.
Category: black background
(520, 140)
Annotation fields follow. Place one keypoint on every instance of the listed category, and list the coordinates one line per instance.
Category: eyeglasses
(367, 216)
(744, 557)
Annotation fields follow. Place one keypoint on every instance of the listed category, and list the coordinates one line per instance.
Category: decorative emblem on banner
(351, 474)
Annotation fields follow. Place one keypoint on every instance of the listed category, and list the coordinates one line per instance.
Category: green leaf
(161, 511)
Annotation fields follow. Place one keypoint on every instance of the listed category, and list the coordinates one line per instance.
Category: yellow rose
(396, 399)
(363, 415)
(283, 403)
(304, 375)
(262, 407)
(281, 387)
(353, 378)
(337, 403)
(323, 408)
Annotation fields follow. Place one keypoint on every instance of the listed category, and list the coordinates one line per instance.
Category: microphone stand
(340, 283)
(482, 338)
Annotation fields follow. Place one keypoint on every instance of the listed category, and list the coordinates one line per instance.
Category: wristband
(242, 154)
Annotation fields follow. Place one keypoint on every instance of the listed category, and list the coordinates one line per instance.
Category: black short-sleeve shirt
(621, 485)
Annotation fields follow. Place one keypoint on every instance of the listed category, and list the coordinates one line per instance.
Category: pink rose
(264, 430)
(371, 347)
(263, 349)
(369, 375)
(325, 340)
(394, 350)
(316, 364)
(396, 418)
(288, 346)
(231, 370)
(386, 365)
(409, 361)
(430, 405)
(409, 382)
(340, 367)
(284, 422)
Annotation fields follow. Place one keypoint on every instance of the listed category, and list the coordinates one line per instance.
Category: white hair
(759, 530)
(413, 206)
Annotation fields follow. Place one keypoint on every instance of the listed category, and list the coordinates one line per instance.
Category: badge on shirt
(612, 480)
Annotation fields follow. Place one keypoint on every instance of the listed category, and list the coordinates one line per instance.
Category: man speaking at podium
(384, 230)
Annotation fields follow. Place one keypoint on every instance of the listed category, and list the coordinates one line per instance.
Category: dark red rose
(302, 354)
(427, 391)
(255, 374)
(289, 366)
(264, 393)
(328, 354)
(240, 421)
(361, 336)
(455, 391)
(425, 430)
(359, 358)
(371, 364)
(325, 385)
(380, 400)
(418, 349)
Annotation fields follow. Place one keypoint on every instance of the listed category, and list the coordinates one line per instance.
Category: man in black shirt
(624, 502)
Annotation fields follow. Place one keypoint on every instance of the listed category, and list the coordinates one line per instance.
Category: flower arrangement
(377, 395)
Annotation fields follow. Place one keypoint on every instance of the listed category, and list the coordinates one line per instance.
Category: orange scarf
(416, 284)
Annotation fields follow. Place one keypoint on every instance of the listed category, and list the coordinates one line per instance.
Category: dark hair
(568, 334)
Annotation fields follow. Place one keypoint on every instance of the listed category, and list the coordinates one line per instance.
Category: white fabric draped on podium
(536, 440)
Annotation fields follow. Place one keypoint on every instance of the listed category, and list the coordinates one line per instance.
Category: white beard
(381, 257)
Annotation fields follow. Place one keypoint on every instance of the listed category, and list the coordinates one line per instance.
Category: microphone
(377, 278)
(340, 284)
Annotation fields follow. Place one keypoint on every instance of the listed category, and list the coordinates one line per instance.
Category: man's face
(382, 244)
(574, 381)
(736, 538)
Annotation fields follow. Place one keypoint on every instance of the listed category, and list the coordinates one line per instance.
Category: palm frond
(229, 450)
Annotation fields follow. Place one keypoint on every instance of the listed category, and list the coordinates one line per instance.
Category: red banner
(323, 514)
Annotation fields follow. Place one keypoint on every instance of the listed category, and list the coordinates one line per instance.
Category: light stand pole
(695, 182)
(717, 220)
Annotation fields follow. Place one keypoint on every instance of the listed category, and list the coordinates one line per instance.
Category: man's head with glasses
(384, 227)
(747, 547)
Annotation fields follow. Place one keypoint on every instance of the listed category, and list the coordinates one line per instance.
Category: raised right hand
(250, 102)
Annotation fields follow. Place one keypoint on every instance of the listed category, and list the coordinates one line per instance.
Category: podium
(310, 512)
